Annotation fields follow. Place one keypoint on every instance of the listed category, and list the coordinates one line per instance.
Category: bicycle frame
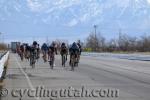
(64, 59)
(51, 60)
(32, 60)
(44, 56)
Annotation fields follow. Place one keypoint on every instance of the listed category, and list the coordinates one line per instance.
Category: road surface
(130, 79)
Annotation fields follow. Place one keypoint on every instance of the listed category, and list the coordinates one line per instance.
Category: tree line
(3, 46)
(97, 43)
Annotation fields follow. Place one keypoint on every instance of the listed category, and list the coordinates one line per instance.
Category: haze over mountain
(72, 19)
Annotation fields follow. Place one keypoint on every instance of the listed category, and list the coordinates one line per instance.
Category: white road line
(28, 79)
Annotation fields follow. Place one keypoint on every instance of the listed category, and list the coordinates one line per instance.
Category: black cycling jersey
(51, 49)
(63, 49)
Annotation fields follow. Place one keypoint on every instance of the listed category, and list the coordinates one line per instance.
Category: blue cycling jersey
(44, 47)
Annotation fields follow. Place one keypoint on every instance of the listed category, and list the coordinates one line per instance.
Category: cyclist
(18, 49)
(21, 51)
(64, 53)
(51, 54)
(38, 51)
(80, 50)
(44, 49)
(35, 47)
(55, 47)
(35, 44)
(33, 53)
(27, 51)
(74, 50)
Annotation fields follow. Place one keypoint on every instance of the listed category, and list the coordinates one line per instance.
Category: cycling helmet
(35, 43)
(63, 43)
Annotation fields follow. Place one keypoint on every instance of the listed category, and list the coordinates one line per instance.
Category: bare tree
(90, 42)
(112, 45)
(96, 42)
(145, 43)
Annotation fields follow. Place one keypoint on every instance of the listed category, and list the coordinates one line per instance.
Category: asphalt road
(130, 79)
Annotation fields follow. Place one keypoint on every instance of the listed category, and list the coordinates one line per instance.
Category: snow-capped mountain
(108, 14)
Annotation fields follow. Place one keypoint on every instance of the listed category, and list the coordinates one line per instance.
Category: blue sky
(28, 20)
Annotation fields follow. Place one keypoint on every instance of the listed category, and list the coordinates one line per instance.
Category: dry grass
(3, 46)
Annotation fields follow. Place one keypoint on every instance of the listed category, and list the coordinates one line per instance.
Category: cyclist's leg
(30, 59)
(70, 58)
(54, 59)
(46, 55)
(62, 59)
(66, 57)
(21, 55)
(72, 62)
(29, 53)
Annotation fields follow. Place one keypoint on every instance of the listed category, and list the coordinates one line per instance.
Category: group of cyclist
(32, 53)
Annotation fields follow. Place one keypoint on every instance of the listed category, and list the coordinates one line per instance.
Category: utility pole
(120, 37)
(95, 27)
(95, 44)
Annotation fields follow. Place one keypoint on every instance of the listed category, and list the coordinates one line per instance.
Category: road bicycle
(64, 59)
(32, 59)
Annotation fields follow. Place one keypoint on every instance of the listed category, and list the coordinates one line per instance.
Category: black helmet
(63, 43)
(44, 43)
(35, 43)
(53, 43)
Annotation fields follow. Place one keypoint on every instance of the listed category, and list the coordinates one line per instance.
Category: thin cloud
(36, 6)
(148, 1)
(73, 23)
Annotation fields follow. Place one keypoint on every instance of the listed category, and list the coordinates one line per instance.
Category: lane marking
(27, 77)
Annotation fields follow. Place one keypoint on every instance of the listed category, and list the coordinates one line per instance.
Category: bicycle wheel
(32, 61)
(77, 61)
(72, 62)
(51, 62)
(63, 60)
(21, 56)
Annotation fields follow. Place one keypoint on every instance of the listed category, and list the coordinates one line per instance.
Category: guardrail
(133, 56)
(3, 61)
